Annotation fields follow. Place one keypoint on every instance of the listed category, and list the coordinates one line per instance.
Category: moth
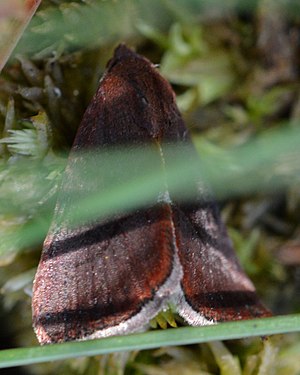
(112, 276)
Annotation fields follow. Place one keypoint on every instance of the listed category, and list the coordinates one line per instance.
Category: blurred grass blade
(66, 24)
(118, 181)
(150, 340)
(14, 17)
(268, 163)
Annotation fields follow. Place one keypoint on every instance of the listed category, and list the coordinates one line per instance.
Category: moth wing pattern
(87, 284)
(112, 276)
(215, 287)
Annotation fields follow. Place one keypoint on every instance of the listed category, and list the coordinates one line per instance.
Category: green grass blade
(150, 340)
